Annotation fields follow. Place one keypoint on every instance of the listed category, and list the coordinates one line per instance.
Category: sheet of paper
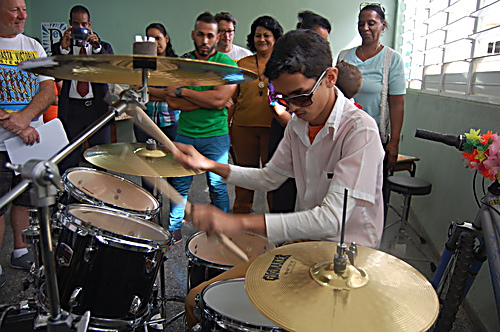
(52, 139)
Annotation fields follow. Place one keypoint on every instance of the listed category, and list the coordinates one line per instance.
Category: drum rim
(70, 187)
(195, 259)
(213, 313)
(89, 228)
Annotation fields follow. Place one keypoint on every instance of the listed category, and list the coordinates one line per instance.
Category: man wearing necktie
(81, 103)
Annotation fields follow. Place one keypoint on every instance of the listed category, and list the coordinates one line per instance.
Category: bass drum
(107, 262)
(90, 186)
(209, 258)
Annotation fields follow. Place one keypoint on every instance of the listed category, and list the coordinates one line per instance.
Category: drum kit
(98, 249)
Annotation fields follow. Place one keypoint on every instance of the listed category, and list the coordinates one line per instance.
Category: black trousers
(78, 118)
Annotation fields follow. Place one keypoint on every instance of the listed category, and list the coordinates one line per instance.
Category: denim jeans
(215, 148)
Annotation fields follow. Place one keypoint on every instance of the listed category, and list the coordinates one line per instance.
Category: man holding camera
(81, 103)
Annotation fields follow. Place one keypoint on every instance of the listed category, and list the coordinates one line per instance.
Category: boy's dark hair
(226, 16)
(79, 9)
(266, 22)
(299, 51)
(206, 17)
(310, 20)
(170, 50)
(349, 79)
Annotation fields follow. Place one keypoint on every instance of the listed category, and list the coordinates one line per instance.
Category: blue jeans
(215, 148)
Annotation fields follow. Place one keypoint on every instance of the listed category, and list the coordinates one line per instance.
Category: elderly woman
(251, 118)
(383, 91)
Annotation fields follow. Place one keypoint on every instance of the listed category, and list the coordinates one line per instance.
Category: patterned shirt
(161, 114)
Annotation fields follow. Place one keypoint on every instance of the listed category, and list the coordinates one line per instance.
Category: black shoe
(177, 236)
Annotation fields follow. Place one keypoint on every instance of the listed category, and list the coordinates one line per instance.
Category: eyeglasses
(302, 100)
(364, 4)
(222, 32)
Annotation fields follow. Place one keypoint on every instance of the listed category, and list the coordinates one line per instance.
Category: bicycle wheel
(452, 286)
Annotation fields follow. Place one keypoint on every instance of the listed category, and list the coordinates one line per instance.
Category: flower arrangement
(482, 153)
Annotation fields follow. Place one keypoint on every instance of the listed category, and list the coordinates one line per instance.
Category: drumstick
(174, 196)
(233, 247)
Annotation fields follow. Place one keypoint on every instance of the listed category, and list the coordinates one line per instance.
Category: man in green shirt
(203, 120)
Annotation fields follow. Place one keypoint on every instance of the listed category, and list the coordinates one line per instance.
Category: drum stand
(45, 179)
(163, 291)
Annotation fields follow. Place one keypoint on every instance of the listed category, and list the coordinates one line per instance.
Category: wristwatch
(178, 92)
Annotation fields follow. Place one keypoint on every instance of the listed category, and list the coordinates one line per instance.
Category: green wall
(451, 197)
(118, 21)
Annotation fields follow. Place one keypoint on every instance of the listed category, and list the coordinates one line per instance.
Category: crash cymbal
(120, 157)
(125, 69)
(291, 287)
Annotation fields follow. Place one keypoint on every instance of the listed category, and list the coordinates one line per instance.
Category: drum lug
(150, 265)
(64, 255)
(135, 305)
(89, 252)
(73, 299)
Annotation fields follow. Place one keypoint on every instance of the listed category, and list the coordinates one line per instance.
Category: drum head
(229, 299)
(99, 218)
(211, 250)
(108, 188)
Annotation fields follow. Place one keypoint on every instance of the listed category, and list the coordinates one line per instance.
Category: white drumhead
(111, 189)
(229, 298)
(212, 250)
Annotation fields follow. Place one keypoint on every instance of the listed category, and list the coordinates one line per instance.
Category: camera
(79, 35)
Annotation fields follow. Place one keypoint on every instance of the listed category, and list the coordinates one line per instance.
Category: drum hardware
(89, 186)
(208, 258)
(333, 292)
(44, 174)
(119, 157)
(135, 305)
(224, 306)
(121, 69)
(64, 253)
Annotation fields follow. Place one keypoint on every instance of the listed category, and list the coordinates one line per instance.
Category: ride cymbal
(120, 157)
(382, 293)
(126, 69)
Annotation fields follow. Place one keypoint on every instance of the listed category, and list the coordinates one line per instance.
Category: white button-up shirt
(346, 153)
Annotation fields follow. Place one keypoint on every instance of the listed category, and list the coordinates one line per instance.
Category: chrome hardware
(64, 254)
(73, 299)
(134, 306)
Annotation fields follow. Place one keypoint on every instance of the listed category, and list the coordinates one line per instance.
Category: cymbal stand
(45, 177)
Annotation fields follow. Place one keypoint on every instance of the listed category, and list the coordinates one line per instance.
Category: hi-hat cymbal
(382, 293)
(125, 69)
(120, 157)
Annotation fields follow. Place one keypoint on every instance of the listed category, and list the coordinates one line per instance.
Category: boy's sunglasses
(302, 100)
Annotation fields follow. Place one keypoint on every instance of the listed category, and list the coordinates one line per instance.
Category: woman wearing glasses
(383, 91)
(252, 116)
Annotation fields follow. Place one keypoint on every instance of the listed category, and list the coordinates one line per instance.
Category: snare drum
(107, 262)
(226, 307)
(98, 188)
(209, 258)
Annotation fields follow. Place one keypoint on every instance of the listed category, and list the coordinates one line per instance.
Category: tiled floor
(176, 264)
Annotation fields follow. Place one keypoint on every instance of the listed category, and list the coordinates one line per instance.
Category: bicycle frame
(485, 228)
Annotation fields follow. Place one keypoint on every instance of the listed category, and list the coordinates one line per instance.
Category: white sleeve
(260, 179)
(318, 223)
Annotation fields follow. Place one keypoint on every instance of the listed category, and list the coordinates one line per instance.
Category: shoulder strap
(384, 99)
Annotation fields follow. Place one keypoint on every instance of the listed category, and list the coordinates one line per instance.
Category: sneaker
(3, 279)
(23, 262)
(177, 236)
